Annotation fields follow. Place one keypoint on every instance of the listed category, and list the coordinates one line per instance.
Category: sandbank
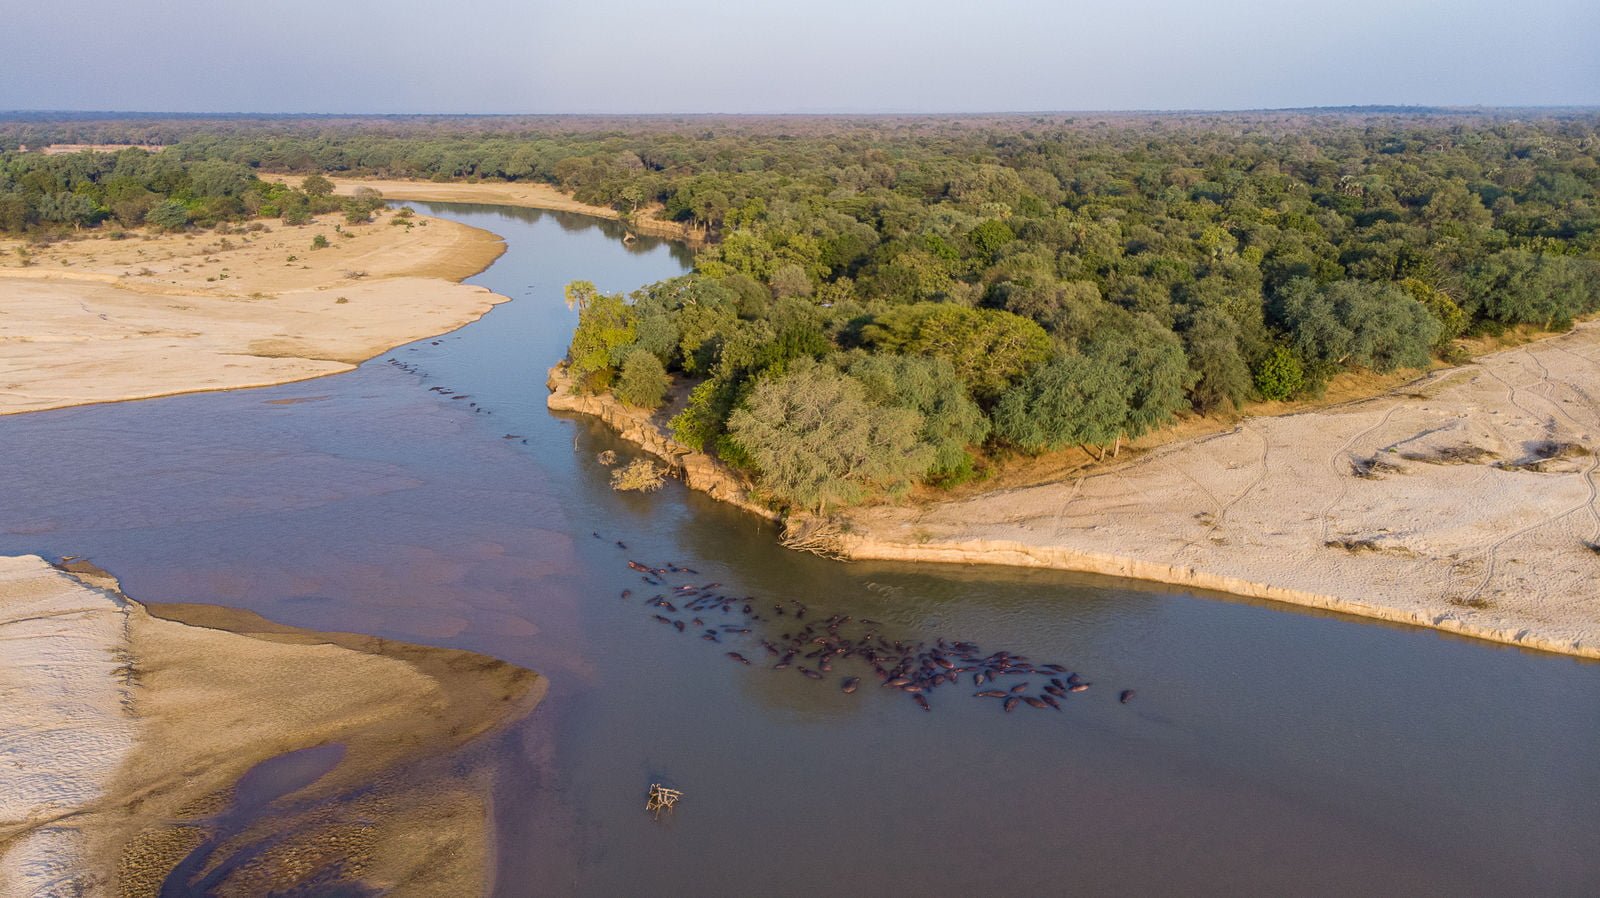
(527, 194)
(1465, 500)
(128, 726)
(100, 319)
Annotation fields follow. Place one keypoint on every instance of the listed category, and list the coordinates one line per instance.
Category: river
(1268, 750)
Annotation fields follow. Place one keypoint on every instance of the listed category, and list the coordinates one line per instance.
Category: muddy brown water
(1268, 750)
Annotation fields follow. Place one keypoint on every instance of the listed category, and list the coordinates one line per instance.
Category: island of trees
(894, 301)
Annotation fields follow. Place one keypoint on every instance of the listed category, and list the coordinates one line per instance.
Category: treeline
(872, 317)
(886, 299)
(41, 194)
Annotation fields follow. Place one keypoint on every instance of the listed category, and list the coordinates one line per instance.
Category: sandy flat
(527, 194)
(1434, 504)
(126, 727)
(100, 319)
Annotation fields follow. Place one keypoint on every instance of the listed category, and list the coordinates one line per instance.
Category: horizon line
(884, 113)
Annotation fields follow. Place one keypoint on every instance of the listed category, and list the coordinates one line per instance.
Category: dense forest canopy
(883, 297)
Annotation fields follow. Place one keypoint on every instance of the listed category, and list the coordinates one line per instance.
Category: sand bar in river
(127, 727)
(101, 319)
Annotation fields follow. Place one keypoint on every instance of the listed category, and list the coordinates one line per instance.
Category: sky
(765, 56)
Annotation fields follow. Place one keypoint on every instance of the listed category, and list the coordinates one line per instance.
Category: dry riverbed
(128, 726)
(99, 319)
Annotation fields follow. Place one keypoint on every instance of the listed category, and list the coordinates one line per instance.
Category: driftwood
(819, 536)
(661, 799)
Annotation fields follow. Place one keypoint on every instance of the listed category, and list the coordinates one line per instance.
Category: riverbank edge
(639, 427)
(466, 268)
(849, 541)
(523, 194)
(1009, 553)
(111, 833)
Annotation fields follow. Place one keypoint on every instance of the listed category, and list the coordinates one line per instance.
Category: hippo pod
(914, 667)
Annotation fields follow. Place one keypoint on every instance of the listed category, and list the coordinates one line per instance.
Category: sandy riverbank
(528, 194)
(128, 725)
(100, 319)
(1465, 501)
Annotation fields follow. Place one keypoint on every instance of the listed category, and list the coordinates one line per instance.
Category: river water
(1268, 750)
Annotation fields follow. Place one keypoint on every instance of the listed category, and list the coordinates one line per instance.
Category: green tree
(1222, 377)
(988, 348)
(951, 421)
(605, 325)
(1355, 324)
(643, 381)
(1071, 400)
(818, 443)
(1152, 360)
(1279, 375)
(168, 214)
(316, 185)
(990, 237)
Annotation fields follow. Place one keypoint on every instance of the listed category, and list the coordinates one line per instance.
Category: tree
(605, 325)
(316, 185)
(1355, 324)
(988, 348)
(1152, 360)
(1222, 378)
(643, 381)
(817, 442)
(1452, 320)
(217, 178)
(1072, 400)
(1520, 287)
(169, 215)
(989, 237)
(790, 280)
(951, 421)
(1279, 375)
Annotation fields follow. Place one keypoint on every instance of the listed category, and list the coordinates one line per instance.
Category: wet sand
(130, 724)
(102, 320)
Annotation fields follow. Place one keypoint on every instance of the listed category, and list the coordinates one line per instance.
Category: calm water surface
(1269, 750)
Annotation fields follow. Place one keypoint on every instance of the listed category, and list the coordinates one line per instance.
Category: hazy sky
(768, 56)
